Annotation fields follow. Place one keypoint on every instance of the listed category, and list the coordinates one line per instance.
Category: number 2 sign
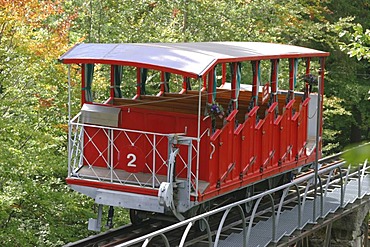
(131, 163)
(131, 159)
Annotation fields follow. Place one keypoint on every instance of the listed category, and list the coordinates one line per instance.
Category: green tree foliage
(34, 200)
(36, 206)
(201, 20)
(359, 42)
(335, 123)
(348, 77)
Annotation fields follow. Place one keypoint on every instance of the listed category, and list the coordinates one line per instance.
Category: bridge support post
(350, 230)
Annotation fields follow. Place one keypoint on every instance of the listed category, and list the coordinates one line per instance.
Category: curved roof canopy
(188, 59)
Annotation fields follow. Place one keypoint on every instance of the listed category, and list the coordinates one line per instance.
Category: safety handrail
(246, 230)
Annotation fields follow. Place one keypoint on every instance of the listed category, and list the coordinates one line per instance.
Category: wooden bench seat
(178, 101)
(169, 104)
(188, 103)
(224, 95)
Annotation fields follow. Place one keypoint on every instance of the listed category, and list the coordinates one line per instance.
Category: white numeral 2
(133, 159)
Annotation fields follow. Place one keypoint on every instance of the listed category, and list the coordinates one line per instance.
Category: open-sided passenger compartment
(127, 144)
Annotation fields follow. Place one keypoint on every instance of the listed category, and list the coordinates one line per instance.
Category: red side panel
(302, 127)
(95, 147)
(229, 158)
(248, 159)
(223, 157)
(294, 132)
(148, 150)
(267, 136)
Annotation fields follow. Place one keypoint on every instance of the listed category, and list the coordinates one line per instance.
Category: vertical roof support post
(83, 92)
(163, 86)
(204, 87)
(117, 80)
(291, 78)
(238, 81)
(210, 93)
(234, 67)
(167, 76)
(317, 141)
(214, 83)
(69, 93)
(138, 83)
(256, 82)
(184, 85)
(321, 88)
(198, 141)
(143, 76)
(69, 122)
(112, 85)
(320, 93)
(274, 78)
(87, 80)
(307, 85)
(223, 81)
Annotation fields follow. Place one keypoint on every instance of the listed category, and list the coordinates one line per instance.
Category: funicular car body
(171, 152)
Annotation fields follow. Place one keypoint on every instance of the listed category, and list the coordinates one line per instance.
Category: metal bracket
(95, 224)
(224, 176)
(250, 164)
(165, 194)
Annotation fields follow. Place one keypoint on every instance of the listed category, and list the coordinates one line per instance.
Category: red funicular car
(246, 112)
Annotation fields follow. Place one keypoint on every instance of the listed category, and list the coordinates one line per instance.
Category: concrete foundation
(351, 230)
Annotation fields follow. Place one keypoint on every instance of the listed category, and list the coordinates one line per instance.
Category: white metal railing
(94, 153)
(276, 210)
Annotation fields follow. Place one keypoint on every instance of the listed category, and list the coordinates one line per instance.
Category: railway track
(233, 223)
(119, 235)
